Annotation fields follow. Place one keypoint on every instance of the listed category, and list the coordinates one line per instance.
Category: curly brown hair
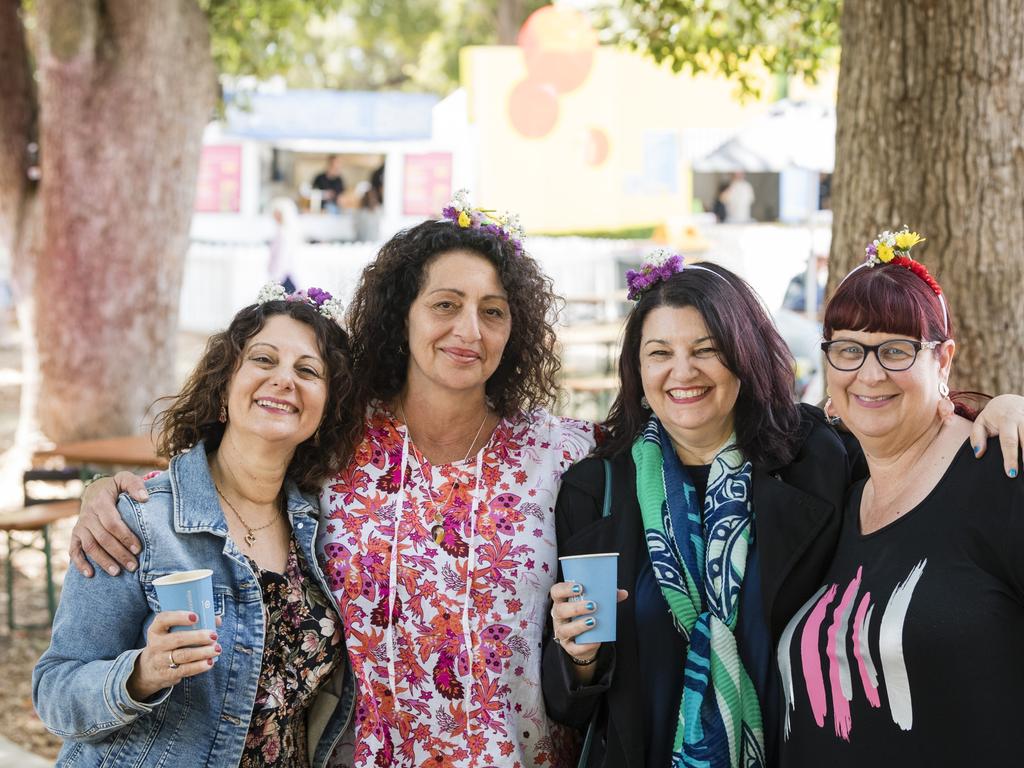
(193, 413)
(525, 377)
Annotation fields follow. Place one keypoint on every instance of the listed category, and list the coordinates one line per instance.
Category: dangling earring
(223, 417)
(829, 414)
(644, 403)
(947, 408)
(402, 349)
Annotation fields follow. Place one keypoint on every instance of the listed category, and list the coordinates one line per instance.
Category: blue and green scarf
(699, 565)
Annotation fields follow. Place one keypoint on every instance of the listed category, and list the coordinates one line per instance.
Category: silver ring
(170, 657)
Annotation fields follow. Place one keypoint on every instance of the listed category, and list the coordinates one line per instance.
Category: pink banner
(428, 183)
(220, 180)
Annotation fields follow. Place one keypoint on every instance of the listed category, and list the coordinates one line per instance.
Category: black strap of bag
(606, 510)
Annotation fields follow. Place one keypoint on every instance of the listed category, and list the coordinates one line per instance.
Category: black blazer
(797, 515)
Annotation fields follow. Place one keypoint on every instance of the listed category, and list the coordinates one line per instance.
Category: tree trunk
(930, 117)
(17, 118)
(510, 18)
(126, 88)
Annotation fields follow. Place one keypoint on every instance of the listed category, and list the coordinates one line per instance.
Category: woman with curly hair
(262, 420)
(438, 536)
(440, 541)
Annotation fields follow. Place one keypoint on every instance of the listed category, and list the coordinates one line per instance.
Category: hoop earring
(943, 390)
(644, 403)
(223, 416)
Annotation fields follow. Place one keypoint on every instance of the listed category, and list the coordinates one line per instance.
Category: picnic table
(128, 451)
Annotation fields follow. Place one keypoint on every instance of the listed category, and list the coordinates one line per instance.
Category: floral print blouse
(300, 651)
(471, 578)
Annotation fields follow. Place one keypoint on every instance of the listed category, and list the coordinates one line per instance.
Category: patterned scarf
(699, 567)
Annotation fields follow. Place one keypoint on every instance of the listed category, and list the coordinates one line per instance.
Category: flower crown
(660, 265)
(505, 226)
(321, 300)
(894, 248)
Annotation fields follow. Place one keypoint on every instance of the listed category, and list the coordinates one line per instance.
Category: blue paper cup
(598, 575)
(188, 591)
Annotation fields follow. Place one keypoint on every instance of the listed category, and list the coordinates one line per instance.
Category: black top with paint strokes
(910, 653)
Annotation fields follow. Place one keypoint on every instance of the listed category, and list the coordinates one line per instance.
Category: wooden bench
(35, 520)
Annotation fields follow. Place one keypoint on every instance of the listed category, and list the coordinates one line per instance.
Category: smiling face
(893, 406)
(279, 390)
(690, 390)
(458, 324)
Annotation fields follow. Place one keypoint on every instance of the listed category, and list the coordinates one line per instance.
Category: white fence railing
(221, 278)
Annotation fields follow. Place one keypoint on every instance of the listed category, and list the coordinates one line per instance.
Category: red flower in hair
(918, 269)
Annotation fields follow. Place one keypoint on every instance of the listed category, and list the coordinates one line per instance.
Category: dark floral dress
(301, 649)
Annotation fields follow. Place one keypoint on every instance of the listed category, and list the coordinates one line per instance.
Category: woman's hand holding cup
(169, 657)
(572, 614)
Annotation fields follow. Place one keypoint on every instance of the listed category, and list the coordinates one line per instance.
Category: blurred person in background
(738, 199)
(285, 245)
(331, 185)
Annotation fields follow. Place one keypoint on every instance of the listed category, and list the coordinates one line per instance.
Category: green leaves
(792, 37)
(355, 44)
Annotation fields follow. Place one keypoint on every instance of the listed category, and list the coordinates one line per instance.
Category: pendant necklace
(438, 514)
(250, 537)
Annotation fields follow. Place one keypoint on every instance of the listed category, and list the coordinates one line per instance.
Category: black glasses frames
(893, 355)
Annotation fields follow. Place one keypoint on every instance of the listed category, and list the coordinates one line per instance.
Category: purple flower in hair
(660, 265)
(318, 296)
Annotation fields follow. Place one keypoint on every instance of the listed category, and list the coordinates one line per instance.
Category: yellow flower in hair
(464, 219)
(906, 240)
(885, 253)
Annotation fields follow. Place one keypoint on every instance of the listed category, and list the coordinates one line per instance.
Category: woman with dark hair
(440, 543)
(725, 500)
(259, 424)
(438, 535)
(910, 648)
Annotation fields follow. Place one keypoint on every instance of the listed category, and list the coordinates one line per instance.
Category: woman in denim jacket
(262, 420)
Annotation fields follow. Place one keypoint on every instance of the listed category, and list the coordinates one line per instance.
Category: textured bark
(17, 117)
(930, 119)
(125, 90)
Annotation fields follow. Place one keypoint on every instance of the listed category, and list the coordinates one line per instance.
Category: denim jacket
(79, 685)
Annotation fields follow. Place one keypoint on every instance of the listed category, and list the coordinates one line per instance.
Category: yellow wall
(548, 181)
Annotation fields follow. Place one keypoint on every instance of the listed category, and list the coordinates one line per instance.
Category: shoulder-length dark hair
(193, 414)
(525, 377)
(888, 298)
(765, 418)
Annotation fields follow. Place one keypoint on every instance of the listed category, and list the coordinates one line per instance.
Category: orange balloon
(533, 108)
(558, 45)
(595, 147)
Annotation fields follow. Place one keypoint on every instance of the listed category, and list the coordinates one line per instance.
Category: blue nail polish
(977, 450)
(1013, 473)
(590, 622)
(590, 606)
(576, 589)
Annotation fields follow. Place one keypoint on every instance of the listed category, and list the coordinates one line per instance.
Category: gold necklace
(438, 516)
(250, 537)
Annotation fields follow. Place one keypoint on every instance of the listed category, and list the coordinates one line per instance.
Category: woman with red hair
(911, 646)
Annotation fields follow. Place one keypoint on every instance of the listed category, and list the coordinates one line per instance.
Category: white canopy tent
(790, 135)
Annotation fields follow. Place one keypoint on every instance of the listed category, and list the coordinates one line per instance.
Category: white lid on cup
(182, 577)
